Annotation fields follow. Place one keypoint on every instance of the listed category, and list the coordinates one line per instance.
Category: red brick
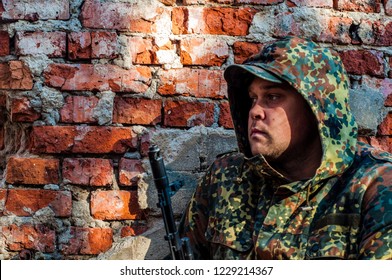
(388, 7)
(104, 44)
(258, 2)
(168, 2)
(51, 44)
(30, 237)
(180, 113)
(152, 50)
(1, 137)
(79, 109)
(3, 109)
(390, 68)
(225, 119)
(385, 128)
(93, 172)
(132, 17)
(129, 170)
(4, 43)
(218, 21)
(307, 3)
(34, 171)
(382, 142)
(145, 141)
(15, 75)
(383, 86)
(21, 110)
(203, 51)
(143, 51)
(26, 202)
(336, 30)
(101, 77)
(130, 110)
(133, 230)
(88, 241)
(86, 45)
(388, 100)
(363, 62)
(244, 50)
(383, 33)
(3, 199)
(82, 139)
(35, 10)
(200, 83)
(115, 205)
(79, 45)
(366, 6)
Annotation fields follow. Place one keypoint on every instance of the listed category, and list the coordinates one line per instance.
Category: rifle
(180, 248)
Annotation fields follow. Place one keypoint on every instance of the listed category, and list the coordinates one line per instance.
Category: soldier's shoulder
(232, 153)
(229, 158)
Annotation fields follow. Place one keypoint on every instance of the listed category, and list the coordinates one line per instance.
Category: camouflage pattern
(244, 209)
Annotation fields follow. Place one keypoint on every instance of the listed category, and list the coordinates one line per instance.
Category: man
(301, 187)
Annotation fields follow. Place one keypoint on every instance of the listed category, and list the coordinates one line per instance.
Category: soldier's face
(280, 123)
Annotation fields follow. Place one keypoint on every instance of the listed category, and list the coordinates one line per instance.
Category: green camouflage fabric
(244, 209)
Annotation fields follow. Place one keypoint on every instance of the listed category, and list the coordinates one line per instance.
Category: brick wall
(86, 86)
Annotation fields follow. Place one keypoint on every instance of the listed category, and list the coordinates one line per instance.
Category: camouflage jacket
(244, 209)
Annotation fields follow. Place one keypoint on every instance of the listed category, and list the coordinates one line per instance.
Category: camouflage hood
(317, 73)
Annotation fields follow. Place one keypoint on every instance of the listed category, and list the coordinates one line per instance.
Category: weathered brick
(115, 205)
(383, 33)
(142, 50)
(382, 142)
(1, 137)
(88, 45)
(26, 202)
(218, 21)
(364, 62)
(3, 199)
(388, 7)
(388, 100)
(3, 109)
(336, 30)
(22, 111)
(383, 86)
(225, 119)
(34, 171)
(93, 172)
(129, 170)
(168, 2)
(133, 230)
(366, 6)
(203, 51)
(385, 128)
(33, 10)
(82, 139)
(88, 241)
(179, 113)
(390, 68)
(132, 17)
(79, 45)
(258, 2)
(51, 44)
(30, 237)
(130, 110)
(307, 3)
(79, 109)
(201, 83)
(244, 50)
(104, 44)
(101, 77)
(4, 43)
(15, 75)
